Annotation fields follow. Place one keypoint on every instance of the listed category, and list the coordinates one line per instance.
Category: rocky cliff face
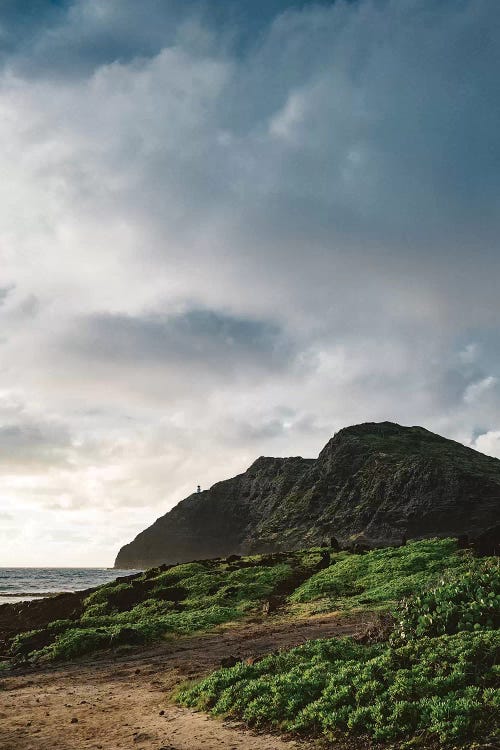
(378, 482)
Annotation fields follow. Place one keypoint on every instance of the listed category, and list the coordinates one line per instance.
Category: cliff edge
(379, 482)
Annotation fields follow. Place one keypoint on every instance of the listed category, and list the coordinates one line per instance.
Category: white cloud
(475, 391)
(489, 443)
(212, 250)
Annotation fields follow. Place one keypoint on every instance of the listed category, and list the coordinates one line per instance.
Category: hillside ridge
(377, 483)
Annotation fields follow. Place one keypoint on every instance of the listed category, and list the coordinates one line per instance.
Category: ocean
(22, 584)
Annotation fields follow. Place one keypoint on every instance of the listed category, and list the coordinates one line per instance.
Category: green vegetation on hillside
(184, 599)
(198, 596)
(381, 577)
(444, 687)
(469, 600)
(436, 678)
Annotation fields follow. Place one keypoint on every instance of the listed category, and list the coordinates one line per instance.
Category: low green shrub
(94, 610)
(73, 643)
(32, 640)
(104, 594)
(469, 600)
(444, 688)
(180, 572)
(437, 678)
(241, 587)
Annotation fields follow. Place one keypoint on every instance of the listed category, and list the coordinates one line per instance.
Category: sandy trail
(124, 702)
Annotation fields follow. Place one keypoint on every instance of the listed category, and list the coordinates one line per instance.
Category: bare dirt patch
(115, 702)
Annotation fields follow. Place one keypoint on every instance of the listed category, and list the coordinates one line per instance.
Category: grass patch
(443, 688)
(380, 578)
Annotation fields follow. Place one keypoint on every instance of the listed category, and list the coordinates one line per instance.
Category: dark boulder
(334, 544)
(127, 637)
(324, 561)
(229, 661)
(171, 593)
(488, 543)
(271, 605)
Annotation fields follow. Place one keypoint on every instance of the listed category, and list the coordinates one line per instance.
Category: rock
(74, 720)
(379, 480)
(33, 642)
(253, 660)
(487, 543)
(271, 605)
(360, 548)
(142, 737)
(127, 636)
(37, 614)
(324, 561)
(229, 661)
(125, 599)
(334, 544)
(171, 593)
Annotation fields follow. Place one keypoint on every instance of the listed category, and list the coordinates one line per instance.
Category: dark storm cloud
(209, 339)
(359, 136)
(70, 38)
(21, 21)
(387, 133)
(75, 37)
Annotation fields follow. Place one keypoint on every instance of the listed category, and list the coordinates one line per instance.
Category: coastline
(28, 597)
(18, 585)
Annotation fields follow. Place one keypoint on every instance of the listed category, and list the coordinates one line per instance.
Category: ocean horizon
(25, 584)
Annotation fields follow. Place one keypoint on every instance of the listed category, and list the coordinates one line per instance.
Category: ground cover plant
(183, 599)
(198, 596)
(444, 688)
(437, 679)
(464, 600)
(381, 577)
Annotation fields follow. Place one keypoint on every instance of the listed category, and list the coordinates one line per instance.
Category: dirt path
(123, 702)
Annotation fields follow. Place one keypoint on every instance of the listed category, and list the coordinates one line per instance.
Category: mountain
(376, 482)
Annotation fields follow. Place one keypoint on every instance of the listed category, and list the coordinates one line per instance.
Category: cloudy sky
(228, 229)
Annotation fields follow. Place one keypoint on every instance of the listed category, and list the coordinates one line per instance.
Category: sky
(228, 229)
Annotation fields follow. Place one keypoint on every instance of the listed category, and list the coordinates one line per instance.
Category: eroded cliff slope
(381, 482)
